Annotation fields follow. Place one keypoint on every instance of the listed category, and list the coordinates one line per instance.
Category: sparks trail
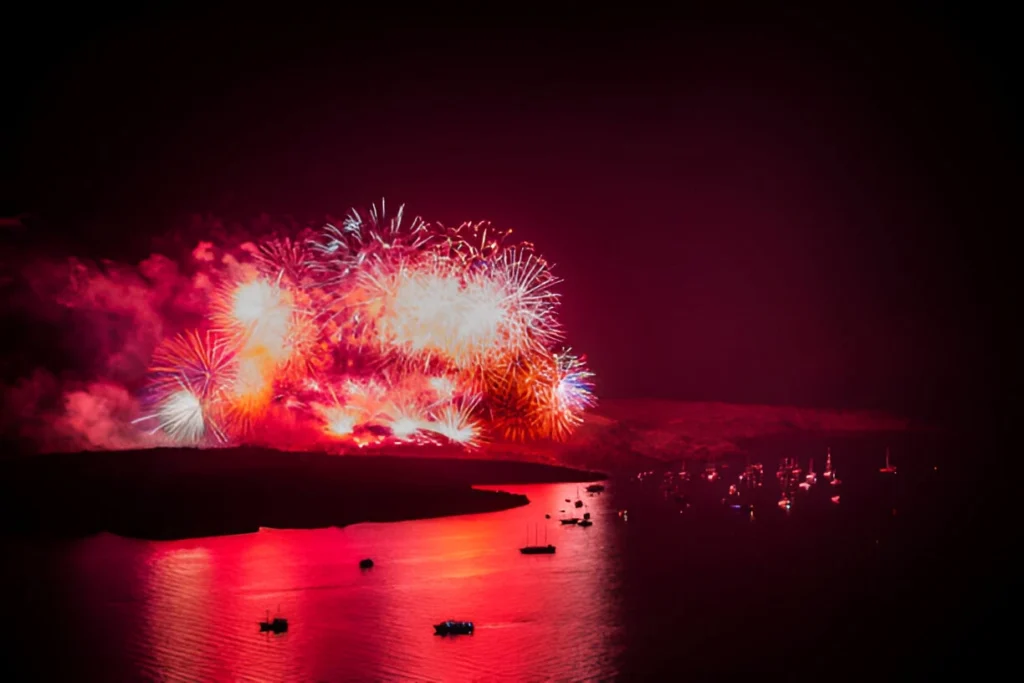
(380, 330)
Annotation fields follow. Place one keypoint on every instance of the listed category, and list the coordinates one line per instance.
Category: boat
(785, 467)
(828, 464)
(585, 523)
(595, 488)
(811, 477)
(537, 549)
(453, 628)
(836, 481)
(889, 467)
(568, 520)
(752, 475)
(275, 625)
(578, 503)
(366, 563)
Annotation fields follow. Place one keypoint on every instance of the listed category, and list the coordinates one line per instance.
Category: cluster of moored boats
(568, 518)
(791, 476)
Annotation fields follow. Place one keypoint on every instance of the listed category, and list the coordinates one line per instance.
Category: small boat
(835, 499)
(889, 467)
(836, 481)
(595, 488)
(453, 628)
(578, 503)
(275, 625)
(537, 549)
(366, 563)
(586, 523)
(568, 520)
(828, 465)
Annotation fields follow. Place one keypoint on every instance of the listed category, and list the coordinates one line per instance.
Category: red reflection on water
(526, 608)
(191, 609)
(178, 594)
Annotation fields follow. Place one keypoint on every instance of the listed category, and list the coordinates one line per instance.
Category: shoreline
(177, 494)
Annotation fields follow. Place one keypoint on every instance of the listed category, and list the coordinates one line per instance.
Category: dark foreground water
(825, 590)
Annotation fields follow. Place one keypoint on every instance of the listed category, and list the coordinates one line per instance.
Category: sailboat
(568, 520)
(578, 503)
(277, 625)
(828, 465)
(889, 467)
(537, 549)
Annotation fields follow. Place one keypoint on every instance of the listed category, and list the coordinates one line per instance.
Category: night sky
(791, 209)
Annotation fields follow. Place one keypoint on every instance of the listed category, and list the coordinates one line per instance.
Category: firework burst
(189, 379)
(204, 364)
(379, 329)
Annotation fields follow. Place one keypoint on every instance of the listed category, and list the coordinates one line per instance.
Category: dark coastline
(169, 494)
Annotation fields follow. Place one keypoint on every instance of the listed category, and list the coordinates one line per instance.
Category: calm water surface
(669, 591)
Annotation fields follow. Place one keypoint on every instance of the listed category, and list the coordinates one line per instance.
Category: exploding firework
(379, 329)
(202, 364)
(563, 396)
(190, 383)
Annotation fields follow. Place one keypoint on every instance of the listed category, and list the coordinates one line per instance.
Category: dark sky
(787, 209)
